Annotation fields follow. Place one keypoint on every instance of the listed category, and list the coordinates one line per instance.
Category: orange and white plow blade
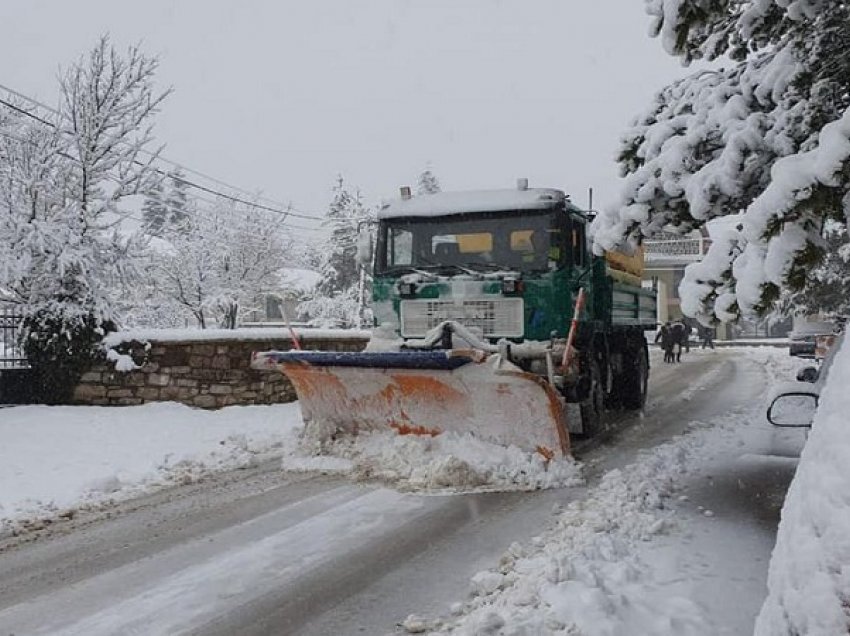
(504, 406)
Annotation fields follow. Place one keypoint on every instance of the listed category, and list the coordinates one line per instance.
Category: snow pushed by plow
(444, 464)
(582, 576)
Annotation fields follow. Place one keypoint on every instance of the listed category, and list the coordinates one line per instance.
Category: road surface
(263, 552)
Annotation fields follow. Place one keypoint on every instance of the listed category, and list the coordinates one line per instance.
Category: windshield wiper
(429, 265)
(408, 269)
(493, 267)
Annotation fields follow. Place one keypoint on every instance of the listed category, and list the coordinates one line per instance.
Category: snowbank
(56, 459)
(583, 576)
(809, 579)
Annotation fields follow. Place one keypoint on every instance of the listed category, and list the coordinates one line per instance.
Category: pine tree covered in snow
(428, 183)
(154, 212)
(176, 200)
(827, 288)
(166, 202)
(336, 298)
(768, 134)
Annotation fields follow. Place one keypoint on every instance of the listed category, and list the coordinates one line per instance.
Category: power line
(171, 162)
(19, 139)
(290, 211)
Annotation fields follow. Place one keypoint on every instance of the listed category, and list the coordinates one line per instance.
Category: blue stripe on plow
(382, 360)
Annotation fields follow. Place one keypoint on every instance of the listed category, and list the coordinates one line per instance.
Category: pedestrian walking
(665, 336)
(689, 329)
(680, 334)
(707, 337)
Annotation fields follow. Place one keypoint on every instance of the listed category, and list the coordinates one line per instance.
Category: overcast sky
(282, 96)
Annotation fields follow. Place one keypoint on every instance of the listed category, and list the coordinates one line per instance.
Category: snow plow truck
(493, 318)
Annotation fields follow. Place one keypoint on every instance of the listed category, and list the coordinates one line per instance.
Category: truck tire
(633, 383)
(593, 408)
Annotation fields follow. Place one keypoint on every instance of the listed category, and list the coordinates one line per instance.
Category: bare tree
(107, 107)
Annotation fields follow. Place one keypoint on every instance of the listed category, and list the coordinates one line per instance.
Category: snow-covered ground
(55, 460)
(646, 551)
(642, 552)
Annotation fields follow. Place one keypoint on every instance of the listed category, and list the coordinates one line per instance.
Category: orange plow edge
(425, 393)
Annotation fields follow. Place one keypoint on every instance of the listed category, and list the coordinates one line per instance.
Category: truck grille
(495, 317)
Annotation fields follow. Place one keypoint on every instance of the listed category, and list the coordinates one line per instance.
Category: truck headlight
(406, 289)
(512, 286)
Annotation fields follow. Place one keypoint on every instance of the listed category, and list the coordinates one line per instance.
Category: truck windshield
(519, 241)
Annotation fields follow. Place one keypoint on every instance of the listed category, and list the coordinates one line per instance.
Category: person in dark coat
(665, 335)
(707, 337)
(680, 333)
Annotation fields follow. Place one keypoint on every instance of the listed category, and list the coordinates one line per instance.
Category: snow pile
(55, 460)
(583, 575)
(123, 362)
(446, 463)
(809, 579)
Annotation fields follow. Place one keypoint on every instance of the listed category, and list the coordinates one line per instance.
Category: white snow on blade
(450, 463)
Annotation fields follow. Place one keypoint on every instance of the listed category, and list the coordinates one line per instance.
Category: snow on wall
(809, 577)
(472, 201)
(199, 335)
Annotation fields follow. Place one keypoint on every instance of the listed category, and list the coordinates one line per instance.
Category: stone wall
(207, 374)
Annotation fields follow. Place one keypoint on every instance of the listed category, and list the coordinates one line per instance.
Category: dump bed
(631, 303)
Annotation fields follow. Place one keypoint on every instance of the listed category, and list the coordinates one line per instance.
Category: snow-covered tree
(428, 183)
(154, 212)
(176, 198)
(766, 135)
(221, 262)
(65, 176)
(336, 298)
(827, 288)
(166, 202)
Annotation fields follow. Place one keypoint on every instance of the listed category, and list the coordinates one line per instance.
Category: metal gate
(16, 381)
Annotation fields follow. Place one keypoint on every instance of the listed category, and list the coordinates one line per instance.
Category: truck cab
(505, 263)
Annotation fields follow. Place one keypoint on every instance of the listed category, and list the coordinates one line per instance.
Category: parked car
(813, 340)
(794, 404)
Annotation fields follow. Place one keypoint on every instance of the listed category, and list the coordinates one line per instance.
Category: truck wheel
(593, 408)
(633, 384)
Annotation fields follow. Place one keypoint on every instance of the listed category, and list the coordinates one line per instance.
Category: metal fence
(11, 356)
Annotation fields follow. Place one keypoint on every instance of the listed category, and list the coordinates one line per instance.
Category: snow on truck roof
(442, 203)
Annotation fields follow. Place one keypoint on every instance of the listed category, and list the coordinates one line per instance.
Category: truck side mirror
(364, 246)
